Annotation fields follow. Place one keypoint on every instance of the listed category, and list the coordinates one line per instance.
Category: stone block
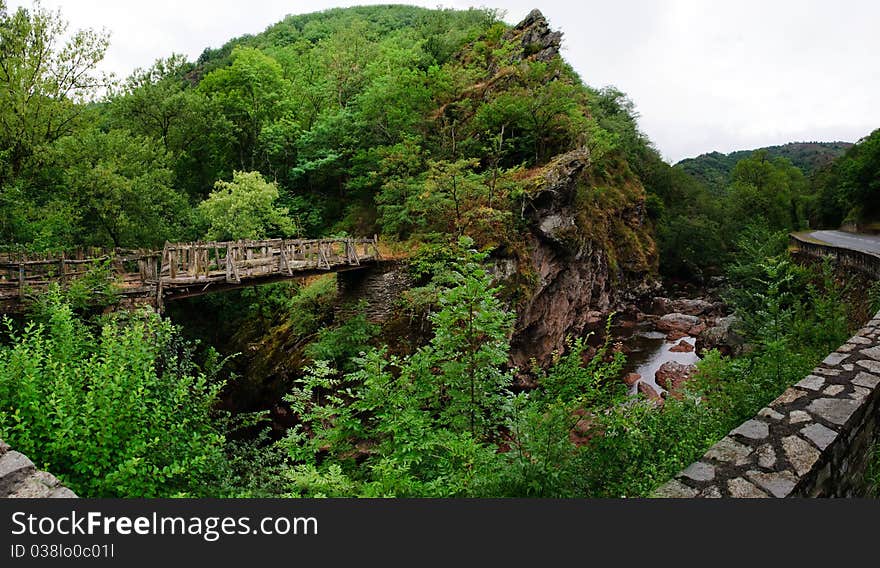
(739, 488)
(711, 492)
(871, 365)
(789, 396)
(778, 484)
(833, 390)
(752, 429)
(674, 489)
(699, 471)
(729, 450)
(811, 382)
(820, 435)
(800, 454)
(766, 456)
(835, 410)
(62, 493)
(770, 413)
(798, 416)
(866, 380)
(835, 359)
(872, 352)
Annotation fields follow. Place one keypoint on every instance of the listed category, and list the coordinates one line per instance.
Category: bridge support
(380, 285)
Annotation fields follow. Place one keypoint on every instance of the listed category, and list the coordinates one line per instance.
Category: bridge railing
(183, 264)
(180, 263)
(21, 272)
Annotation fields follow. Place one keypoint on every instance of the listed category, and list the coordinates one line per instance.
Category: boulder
(693, 307)
(672, 375)
(721, 336)
(650, 393)
(675, 335)
(682, 347)
(679, 322)
(661, 306)
(631, 379)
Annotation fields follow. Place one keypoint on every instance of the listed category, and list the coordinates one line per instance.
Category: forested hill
(714, 168)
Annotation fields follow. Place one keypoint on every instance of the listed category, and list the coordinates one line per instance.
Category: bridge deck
(184, 269)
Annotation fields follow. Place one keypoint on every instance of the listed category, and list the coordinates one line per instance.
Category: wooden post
(20, 280)
(283, 264)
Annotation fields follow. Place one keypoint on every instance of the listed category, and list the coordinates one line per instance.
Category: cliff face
(586, 260)
(590, 244)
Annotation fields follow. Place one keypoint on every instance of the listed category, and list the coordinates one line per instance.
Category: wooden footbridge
(183, 270)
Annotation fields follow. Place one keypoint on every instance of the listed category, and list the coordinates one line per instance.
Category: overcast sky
(704, 75)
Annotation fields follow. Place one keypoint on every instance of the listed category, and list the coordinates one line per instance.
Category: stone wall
(380, 285)
(865, 262)
(814, 439)
(19, 478)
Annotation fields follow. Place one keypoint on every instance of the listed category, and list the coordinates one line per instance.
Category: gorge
(446, 267)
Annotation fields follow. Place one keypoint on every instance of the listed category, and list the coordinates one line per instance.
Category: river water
(647, 349)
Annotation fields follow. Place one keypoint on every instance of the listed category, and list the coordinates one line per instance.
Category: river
(647, 349)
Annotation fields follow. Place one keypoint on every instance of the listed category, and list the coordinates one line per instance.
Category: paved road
(867, 243)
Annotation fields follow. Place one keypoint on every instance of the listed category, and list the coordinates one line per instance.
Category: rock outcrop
(537, 39)
(721, 336)
(579, 270)
(680, 322)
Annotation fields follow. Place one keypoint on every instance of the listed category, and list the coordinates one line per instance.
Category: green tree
(252, 93)
(160, 102)
(245, 208)
(120, 187)
(428, 419)
(44, 74)
(762, 188)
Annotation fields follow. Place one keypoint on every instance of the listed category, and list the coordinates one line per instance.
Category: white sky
(705, 75)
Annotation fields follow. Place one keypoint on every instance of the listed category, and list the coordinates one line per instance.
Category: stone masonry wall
(812, 441)
(19, 478)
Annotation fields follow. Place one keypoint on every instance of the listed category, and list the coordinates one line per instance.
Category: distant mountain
(713, 169)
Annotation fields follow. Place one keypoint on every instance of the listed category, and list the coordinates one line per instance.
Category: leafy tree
(245, 208)
(849, 190)
(159, 102)
(769, 189)
(252, 93)
(43, 78)
(429, 421)
(121, 188)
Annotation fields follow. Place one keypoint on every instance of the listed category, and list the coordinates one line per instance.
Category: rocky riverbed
(664, 342)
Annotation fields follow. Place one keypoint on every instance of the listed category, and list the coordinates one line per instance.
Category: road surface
(854, 241)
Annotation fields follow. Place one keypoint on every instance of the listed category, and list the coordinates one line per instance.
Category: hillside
(714, 168)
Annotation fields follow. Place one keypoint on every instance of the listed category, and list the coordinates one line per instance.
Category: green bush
(122, 412)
